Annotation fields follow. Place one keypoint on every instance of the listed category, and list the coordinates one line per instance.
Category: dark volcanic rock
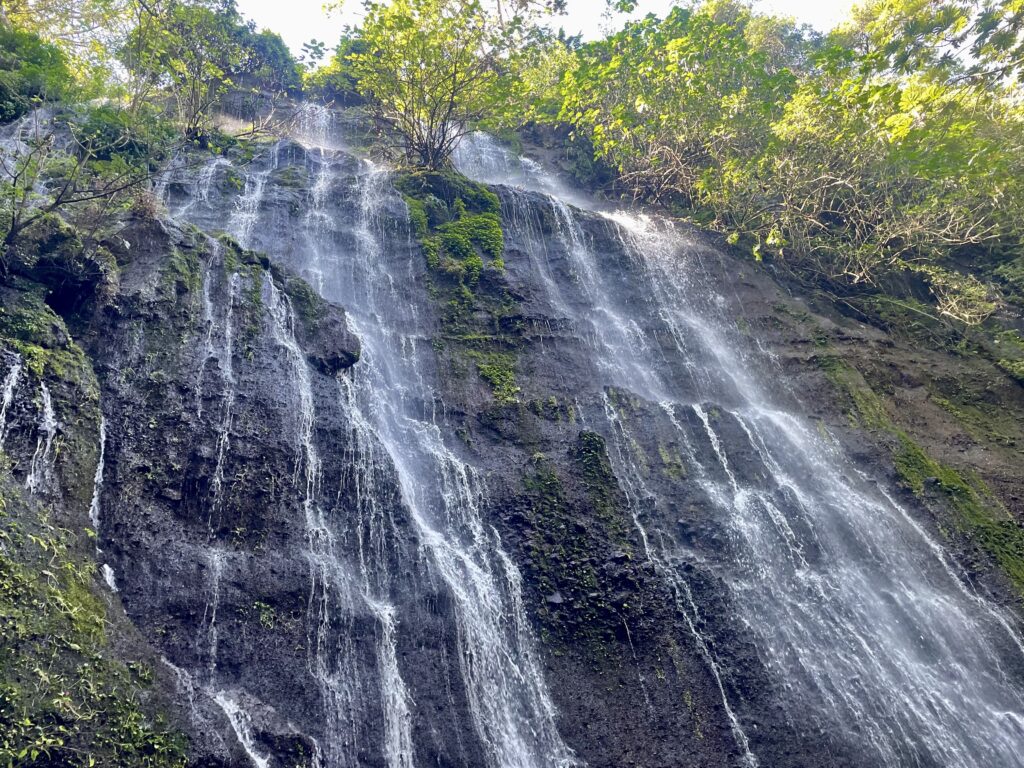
(304, 557)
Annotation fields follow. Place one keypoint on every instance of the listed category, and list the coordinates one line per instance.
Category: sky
(300, 20)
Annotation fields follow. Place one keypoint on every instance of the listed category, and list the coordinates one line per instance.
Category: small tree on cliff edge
(432, 69)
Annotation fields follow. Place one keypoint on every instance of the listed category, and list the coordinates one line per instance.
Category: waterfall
(854, 608)
(41, 465)
(393, 387)
(865, 628)
(390, 401)
(331, 592)
(208, 634)
(95, 505)
(247, 208)
(97, 480)
(314, 126)
(686, 606)
(7, 397)
(241, 722)
(224, 355)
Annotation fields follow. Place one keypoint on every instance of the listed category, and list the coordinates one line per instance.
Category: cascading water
(97, 480)
(390, 403)
(314, 126)
(331, 592)
(241, 722)
(96, 505)
(7, 397)
(41, 465)
(247, 208)
(225, 357)
(855, 610)
(868, 630)
(392, 385)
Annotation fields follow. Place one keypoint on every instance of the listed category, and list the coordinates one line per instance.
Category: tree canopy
(432, 70)
(893, 144)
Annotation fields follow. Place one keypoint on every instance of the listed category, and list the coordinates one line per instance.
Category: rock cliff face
(377, 484)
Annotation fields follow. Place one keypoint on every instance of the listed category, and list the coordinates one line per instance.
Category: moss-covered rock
(64, 698)
(456, 222)
(976, 513)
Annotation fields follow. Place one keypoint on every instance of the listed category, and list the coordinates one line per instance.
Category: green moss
(457, 225)
(30, 327)
(550, 409)
(561, 558)
(976, 512)
(292, 176)
(498, 370)
(63, 700)
(868, 410)
(981, 421)
(455, 221)
(1012, 273)
(183, 271)
(307, 302)
(590, 457)
(449, 187)
(261, 612)
(671, 463)
(1015, 368)
(482, 230)
(418, 217)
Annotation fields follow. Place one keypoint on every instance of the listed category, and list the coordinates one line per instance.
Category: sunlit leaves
(432, 70)
(878, 149)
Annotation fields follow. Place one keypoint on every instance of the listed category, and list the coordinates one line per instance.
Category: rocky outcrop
(395, 488)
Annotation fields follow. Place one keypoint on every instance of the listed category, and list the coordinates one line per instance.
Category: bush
(108, 133)
(31, 71)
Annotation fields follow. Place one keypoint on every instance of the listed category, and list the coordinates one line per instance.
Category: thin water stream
(857, 613)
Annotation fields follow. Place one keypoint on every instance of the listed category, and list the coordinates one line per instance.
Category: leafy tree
(336, 81)
(192, 52)
(83, 166)
(867, 154)
(676, 104)
(268, 62)
(875, 174)
(433, 69)
(963, 39)
(32, 71)
(88, 32)
(313, 52)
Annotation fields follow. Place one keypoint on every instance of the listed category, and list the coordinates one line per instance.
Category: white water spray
(10, 383)
(41, 466)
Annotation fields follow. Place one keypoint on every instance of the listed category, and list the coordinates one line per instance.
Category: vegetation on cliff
(882, 163)
(889, 148)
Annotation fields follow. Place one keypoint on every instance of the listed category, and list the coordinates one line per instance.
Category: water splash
(109, 577)
(445, 498)
(209, 631)
(441, 494)
(97, 480)
(225, 357)
(96, 506)
(315, 127)
(247, 208)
